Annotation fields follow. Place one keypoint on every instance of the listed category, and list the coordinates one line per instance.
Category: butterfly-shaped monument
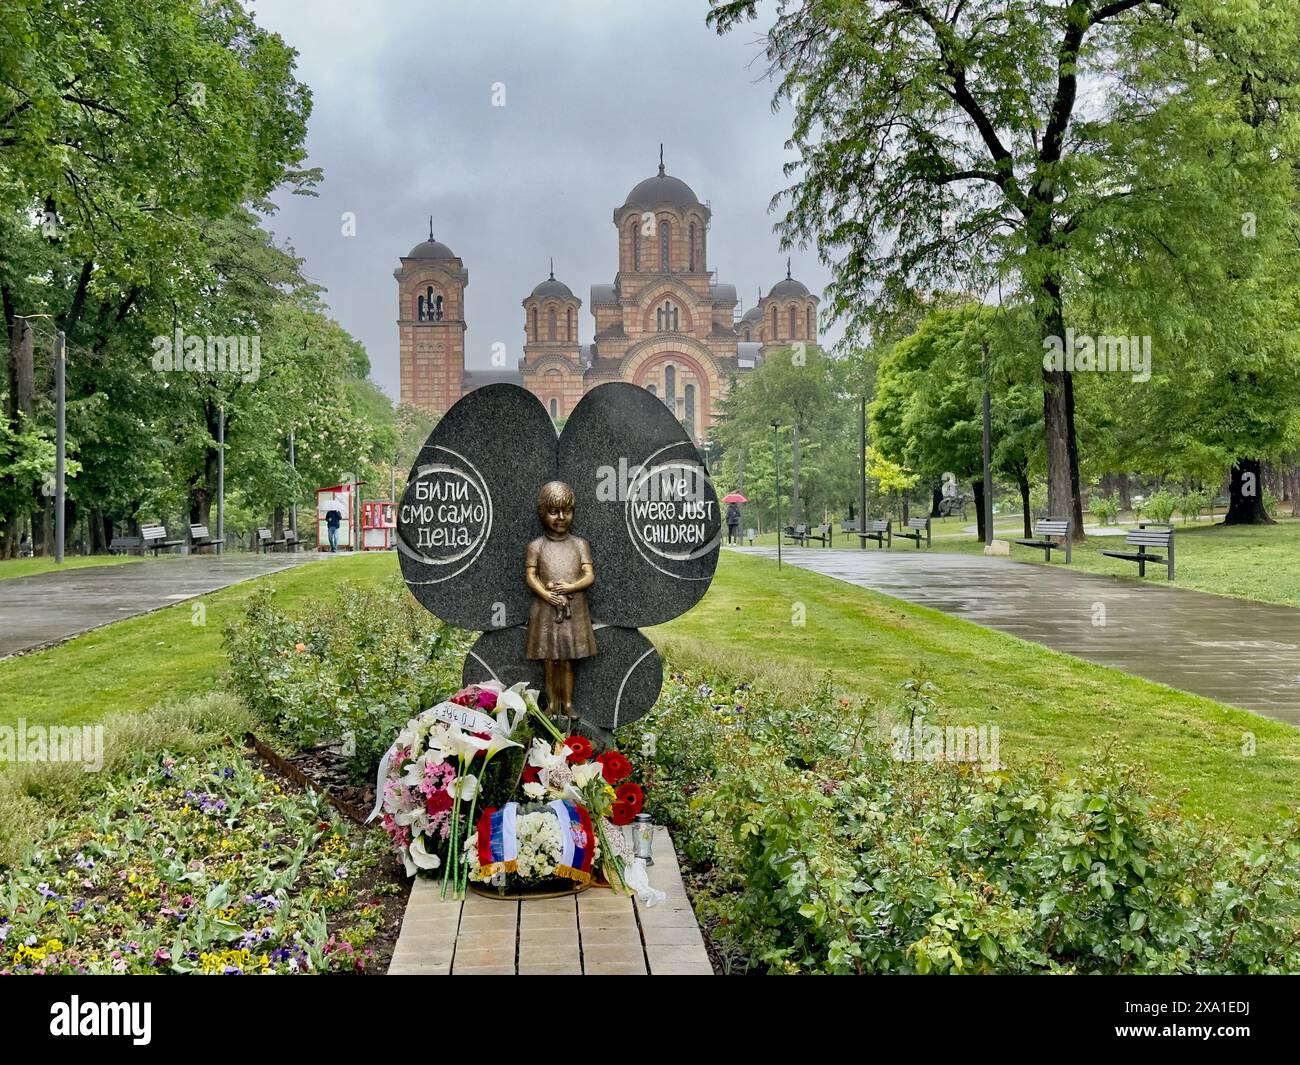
(478, 552)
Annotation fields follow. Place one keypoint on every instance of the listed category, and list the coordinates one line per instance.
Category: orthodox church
(664, 324)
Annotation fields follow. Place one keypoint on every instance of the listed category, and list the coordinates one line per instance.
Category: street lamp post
(60, 443)
(776, 473)
(221, 480)
(293, 507)
(987, 457)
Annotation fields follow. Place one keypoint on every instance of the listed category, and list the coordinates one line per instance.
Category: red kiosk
(378, 525)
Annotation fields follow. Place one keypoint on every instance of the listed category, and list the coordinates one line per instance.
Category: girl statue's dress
(560, 633)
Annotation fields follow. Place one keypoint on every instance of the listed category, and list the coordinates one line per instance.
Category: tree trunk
(22, 376)
(95, 531)
(203, 491)
(1125, 502)
(936, 498)
(1246, 495)
(978, 486)
(1022, 482)
(1064, 499)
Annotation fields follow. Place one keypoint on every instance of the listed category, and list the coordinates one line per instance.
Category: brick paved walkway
(596, 933)
(1233, 650)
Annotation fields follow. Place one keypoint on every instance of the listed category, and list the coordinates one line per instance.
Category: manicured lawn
(27, 567)
(136, 663)
(1046, 704)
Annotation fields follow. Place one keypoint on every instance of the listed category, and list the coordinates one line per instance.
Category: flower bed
(816, 850)
(201, 864)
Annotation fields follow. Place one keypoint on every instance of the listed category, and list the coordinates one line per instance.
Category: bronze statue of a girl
(559, 571)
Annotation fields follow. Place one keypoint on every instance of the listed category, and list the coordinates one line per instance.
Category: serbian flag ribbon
(577, 840)
(498, 846)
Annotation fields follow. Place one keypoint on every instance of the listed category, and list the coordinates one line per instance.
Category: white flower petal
(422, 858)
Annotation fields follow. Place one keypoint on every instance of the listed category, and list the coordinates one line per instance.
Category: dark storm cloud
(404, 126)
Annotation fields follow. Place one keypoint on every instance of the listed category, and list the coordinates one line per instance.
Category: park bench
(822, 535)
(796, 534)
(918, 526)
(125, 544)
(881, 531)
(291, 541)
(1044, 531)
(848, 526)
(266, 540)
(1143, 537)
(201, 538)
(154, 538)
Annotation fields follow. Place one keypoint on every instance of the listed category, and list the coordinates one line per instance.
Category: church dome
(754, 314)
(662, 190)
(431, 249)
(788, 287)
(551, 287)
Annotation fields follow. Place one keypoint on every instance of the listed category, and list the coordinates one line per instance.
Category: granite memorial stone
(644, 505)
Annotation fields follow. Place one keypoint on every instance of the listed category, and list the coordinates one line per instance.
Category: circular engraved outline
(638, 542)
(476, 548)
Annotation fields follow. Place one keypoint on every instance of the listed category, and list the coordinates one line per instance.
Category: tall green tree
(928, 412)
(801, 388)
(955, 145)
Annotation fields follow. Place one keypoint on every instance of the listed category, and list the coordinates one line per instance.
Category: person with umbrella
(333, 511)
(733, 501)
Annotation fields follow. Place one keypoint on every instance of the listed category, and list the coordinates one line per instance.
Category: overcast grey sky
(404, 126)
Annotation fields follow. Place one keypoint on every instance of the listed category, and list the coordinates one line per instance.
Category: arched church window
(569, 332)
(428, 303)
(667, 318)
(691, 253)
(555, 407)
(652, 389)
(746, 334)
(665, 231)
(773, 323)
(420, 304)
(811, 322)
(550, 325)
(537, 333)
(690, 409)
(437, 308)
(792, 323)
(636, 246)
(670, 386)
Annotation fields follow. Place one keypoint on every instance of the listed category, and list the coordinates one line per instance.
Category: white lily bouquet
(430, 780)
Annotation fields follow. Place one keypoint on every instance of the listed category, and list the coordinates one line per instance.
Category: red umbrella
(734, 497)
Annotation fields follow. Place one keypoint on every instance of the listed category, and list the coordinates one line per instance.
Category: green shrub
(1105, 509)
(826, 854)
(356, 670)
(1190, 504)
(1160, 506)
